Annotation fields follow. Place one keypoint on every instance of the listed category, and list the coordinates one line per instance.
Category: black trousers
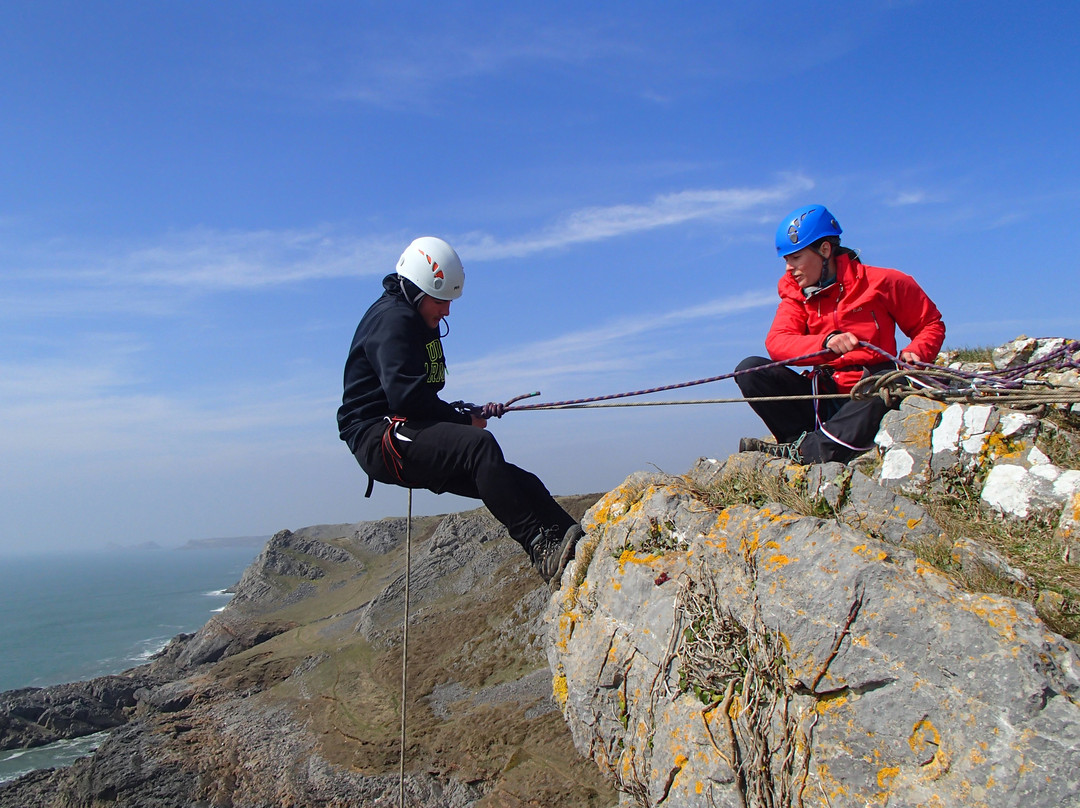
(835, 429)
(465, 460)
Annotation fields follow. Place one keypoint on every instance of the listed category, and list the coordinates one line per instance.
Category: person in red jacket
(831, 301)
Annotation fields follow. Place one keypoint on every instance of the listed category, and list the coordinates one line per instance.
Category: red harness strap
(392, 459)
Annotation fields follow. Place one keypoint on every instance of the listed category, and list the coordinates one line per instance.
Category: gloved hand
(492, 410)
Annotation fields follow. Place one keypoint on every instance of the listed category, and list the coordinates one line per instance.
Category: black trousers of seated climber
(835, 429)
(465, 460)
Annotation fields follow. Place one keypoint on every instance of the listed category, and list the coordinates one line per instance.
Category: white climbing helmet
(434, 267)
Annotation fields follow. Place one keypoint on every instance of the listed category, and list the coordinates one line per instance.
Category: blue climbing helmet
(803, 227)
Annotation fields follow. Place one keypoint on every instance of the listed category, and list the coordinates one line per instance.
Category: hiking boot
(551, 553)
(788, 451)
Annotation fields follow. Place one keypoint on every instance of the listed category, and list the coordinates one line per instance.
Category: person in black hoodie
(402, 433)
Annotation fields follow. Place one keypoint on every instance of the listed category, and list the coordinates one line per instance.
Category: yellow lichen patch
(832, 788)
(680, 764)
(885, 777)
(611, 506)
(977, 757)
(779, 518)
(631, 557)
(560, 690)
(998, 446)
(618, 503)
(718, 544)
(923, 421)
(1073, 510)
(997, 612)
(828, 703)
(775, 562)
(926, 738)
(873, 553)
(566, 630)
(922, 567)
(749, 545)
(923, 734)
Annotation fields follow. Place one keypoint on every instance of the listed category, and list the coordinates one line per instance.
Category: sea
(73, 616)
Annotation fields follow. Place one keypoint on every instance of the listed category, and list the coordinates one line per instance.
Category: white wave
(148, 647)
(61, 753)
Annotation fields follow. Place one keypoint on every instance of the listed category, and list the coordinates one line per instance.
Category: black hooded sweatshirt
(395, 367)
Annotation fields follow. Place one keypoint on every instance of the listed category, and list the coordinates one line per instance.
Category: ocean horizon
(74, 616)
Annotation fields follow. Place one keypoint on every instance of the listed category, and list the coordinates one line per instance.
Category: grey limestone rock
(841, 667)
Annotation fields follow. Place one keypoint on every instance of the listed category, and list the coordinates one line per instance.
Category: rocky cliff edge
(754, 633)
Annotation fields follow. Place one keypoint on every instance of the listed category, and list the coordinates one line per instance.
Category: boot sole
(573, 536)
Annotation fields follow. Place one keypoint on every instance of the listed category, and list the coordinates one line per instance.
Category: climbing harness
(391, 456)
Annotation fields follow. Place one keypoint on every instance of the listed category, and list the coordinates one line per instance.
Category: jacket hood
(393, 285)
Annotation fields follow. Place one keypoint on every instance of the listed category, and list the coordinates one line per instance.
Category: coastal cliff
(896, 632)
(291, 695)
(899, 631)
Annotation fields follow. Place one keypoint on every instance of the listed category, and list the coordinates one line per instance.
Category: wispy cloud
(602, 223)
(390, 76)
(908, 198)
(211, 260)
(99, 406)
(610, 347)
(204, 260)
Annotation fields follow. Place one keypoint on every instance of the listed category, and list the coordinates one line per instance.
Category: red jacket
(870, 302)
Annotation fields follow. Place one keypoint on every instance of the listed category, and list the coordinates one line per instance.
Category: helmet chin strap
(825, 280)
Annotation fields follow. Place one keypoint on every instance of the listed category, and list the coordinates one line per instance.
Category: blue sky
(198, 200)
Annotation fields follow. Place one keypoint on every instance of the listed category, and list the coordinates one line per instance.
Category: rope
(676, 402)
(405, 652)
(574, 402)
(1008, 387)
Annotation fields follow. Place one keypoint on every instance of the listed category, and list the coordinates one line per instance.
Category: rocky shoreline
(289, 696)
